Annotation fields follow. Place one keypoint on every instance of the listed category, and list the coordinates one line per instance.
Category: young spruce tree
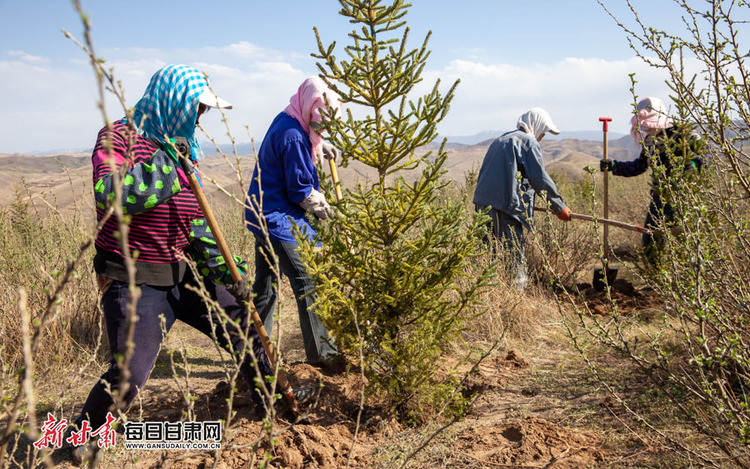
(395, 277)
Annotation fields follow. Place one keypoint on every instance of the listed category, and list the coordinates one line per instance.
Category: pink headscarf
(306, 105)
(652, 114)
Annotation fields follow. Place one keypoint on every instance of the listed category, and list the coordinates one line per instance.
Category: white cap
(210, 99)
(546, 120)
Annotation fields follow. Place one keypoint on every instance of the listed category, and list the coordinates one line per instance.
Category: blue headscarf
(169, 107)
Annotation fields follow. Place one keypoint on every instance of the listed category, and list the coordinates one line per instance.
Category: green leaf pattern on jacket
(206, 253)
(145, 185)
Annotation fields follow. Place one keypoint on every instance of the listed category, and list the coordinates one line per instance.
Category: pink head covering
(652, 114)
(306, 105)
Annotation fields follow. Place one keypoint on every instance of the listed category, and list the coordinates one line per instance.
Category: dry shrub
(36, 249)
(560, 252)
(505, 312)
(565, 253)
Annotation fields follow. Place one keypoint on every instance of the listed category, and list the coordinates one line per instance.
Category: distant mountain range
(453, 141)
(65, 177)
(249, 148)
(491, 134)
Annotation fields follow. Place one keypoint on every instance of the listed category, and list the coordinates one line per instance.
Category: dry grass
(556, 386)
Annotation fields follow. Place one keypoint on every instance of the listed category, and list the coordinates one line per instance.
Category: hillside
(534, 403)
(64, 178)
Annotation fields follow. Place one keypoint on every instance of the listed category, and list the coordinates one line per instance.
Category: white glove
(329, 151)
(317, 204)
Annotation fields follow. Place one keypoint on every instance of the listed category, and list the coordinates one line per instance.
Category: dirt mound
(495, 372)
(514, 359)
(324, 441)
(299, 446)
(627, 297)
(531, 442)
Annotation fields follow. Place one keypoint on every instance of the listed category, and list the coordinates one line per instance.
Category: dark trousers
(314, 333)
(169, 304)
(505, 236)
(658, 218)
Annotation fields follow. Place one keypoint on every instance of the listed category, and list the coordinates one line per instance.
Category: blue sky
(566, 56)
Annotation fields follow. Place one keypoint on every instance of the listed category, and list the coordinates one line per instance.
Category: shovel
(607, 275)
(604, 221)
(286, 388)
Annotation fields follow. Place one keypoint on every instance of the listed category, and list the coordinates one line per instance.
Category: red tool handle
(605, 156)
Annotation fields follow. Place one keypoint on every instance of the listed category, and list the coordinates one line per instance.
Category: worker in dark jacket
(508, 199)
(665, 148)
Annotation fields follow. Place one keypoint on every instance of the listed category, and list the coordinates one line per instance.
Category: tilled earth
(327, 440)
(512, 423)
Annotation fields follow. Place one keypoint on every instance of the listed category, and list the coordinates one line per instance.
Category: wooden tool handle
(604, 221)
(236, 275)
(605, 156)
(335, 177)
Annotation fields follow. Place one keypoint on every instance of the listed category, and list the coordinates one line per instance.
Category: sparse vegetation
(391, 275)
(664, 367)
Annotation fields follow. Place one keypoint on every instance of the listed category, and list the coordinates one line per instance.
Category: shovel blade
(603, 277)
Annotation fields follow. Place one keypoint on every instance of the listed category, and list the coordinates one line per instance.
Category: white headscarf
(537, 121)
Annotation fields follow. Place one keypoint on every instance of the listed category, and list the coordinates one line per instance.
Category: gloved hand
(317, 204)
(606, 165)
(329, 151)
(177, 144)
(695, 163)
(240, 289)
(565, 214)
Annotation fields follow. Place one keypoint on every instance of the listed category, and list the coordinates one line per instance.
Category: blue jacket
(497, 186)
(287, 176)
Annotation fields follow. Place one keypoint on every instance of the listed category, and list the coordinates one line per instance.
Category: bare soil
(534, 407)
(489, 436)
(531, 442)
(624, 295)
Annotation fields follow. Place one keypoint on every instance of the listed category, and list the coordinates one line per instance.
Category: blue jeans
(314, 333)
(169, 303)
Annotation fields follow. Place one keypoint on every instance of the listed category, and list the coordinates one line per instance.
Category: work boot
(303, 395)
(306, 394)
(82, 454)
(332, 364)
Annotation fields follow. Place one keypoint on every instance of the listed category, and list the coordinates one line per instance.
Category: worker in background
(511, 174)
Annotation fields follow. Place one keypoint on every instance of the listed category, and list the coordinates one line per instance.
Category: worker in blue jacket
(284, 192)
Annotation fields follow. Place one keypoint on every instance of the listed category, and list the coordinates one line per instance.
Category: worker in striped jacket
(166, 227)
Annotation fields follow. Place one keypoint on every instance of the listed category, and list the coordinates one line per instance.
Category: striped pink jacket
(159, 233)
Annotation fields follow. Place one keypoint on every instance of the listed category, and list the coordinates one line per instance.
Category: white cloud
(27, 57)
(45, 107)
(256, 80)
(575, 91)
(49, 104)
